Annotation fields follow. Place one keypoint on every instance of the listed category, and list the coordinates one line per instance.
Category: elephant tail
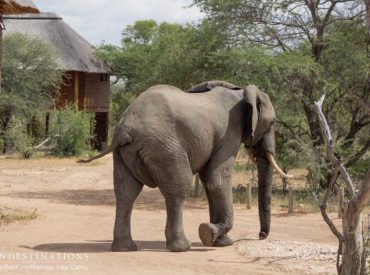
(102, 154)
(120, 138)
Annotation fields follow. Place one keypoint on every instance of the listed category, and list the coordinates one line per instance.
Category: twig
(43, 143)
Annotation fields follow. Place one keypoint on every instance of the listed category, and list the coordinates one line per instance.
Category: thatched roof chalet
(87, 81)
(18, 6)
(74, 52)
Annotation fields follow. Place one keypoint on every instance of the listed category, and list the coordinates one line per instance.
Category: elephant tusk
(251, 155)
(277, 168)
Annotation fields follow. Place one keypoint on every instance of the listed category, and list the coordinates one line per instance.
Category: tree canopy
(295, 50)
(30, 80)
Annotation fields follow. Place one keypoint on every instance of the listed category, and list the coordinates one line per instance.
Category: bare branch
(338, 256)
(324, 204)
(326, 130)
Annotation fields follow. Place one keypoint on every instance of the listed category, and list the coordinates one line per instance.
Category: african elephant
(167, 135)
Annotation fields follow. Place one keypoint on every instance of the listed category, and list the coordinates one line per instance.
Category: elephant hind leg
(126, 189)
(175, 237)
(175, 184)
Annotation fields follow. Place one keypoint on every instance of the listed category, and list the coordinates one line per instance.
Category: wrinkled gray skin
(168, 135)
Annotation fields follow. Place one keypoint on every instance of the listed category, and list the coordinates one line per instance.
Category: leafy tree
(30, 79)
(296, 50)
(179, 55)
(167, 53)
(315, 47)
(119, 101)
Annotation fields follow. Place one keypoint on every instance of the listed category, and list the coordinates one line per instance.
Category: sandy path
(74, 231)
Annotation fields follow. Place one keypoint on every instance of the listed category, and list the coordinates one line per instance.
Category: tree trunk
(1, 40)
(351, 240)
(353, 244)
(5, 116)
(367, 4)
(313, 124)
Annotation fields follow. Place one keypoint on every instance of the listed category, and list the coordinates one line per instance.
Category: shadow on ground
(149, 199)
(104, 246)
(270, 260)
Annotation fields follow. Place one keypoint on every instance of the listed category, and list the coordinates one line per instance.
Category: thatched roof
(75, 53)
(19, 6)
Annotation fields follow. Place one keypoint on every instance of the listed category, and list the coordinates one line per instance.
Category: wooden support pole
(2, 3)
(248, 195)
(75, 85)
(291, 199)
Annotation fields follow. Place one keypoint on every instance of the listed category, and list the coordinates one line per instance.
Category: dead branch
(42, 143)
(329, 139)
(324, 204)
(351, 257)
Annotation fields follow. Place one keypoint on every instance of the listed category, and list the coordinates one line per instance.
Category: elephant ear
(209, 85)
(260, 114)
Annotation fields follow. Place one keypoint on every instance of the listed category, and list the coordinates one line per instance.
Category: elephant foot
(208, 233)
(223, 241)
(263, 235)
(120, 246)
(178, 245)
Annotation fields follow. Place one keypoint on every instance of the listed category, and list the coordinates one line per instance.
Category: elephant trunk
(265, 147)
(264, 194)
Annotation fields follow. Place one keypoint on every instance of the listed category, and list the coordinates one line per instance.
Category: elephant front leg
(219, 193)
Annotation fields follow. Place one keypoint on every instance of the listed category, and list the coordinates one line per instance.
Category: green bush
(72, 131)
(16, 137)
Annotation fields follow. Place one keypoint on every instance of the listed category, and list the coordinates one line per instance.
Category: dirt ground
(73, 233)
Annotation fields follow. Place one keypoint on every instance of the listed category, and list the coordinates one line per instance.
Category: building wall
(66, 95)
(97, 93)
(93, 96)
(81, 90)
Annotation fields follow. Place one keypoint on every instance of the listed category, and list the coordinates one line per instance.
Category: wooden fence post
(248, 195)
(340, 202)
(291, 199)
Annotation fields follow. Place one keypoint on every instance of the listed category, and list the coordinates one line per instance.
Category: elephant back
(209, 85)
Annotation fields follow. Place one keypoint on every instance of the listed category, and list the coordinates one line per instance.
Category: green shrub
(16, 137)
(72, 131)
